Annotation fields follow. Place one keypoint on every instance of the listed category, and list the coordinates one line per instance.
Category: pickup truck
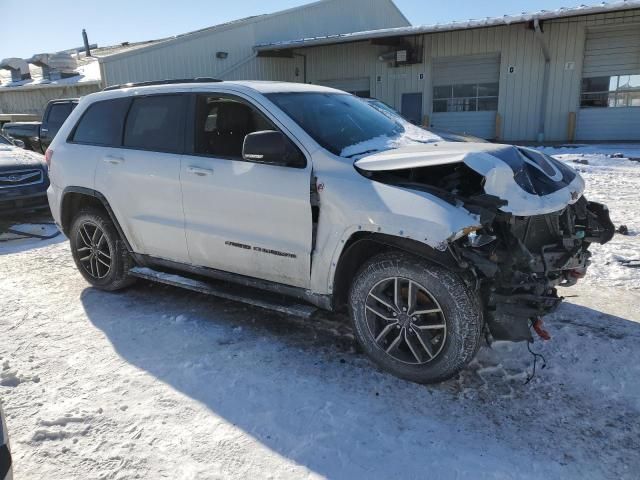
(37, 136)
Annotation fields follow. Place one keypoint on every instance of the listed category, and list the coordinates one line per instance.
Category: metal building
(25, 87)
(570, 74)
(223, 51)
(226, 51)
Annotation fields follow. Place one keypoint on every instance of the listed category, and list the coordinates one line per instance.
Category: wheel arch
(75, 198)
(362, 246)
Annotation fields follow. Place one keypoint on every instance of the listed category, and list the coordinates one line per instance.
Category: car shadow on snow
(19, 233)
(302, 389)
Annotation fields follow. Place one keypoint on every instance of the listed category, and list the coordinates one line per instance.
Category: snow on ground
(611, 178)
(156, 382)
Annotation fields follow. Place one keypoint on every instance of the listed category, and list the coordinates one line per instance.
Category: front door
(243, 217)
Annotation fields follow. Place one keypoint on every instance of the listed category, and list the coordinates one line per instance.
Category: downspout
(545, 81)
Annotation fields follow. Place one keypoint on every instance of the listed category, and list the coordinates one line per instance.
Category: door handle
(114, 160)
(44, 130)
(201, 172)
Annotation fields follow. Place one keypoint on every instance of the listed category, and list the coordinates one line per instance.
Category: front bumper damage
(530, 228)
(519, 261)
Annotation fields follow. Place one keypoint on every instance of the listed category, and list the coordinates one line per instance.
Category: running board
(257, 298)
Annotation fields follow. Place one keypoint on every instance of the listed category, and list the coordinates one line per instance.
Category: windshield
(346, 125)
(4, 141)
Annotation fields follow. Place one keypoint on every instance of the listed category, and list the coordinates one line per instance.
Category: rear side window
(58, 114)
(156, 123)
(102, 123)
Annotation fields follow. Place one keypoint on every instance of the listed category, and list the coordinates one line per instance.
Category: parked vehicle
(310, 193)
(37, 136)
(17, 117)
(23, 178)
(443, 134)
(5, 451)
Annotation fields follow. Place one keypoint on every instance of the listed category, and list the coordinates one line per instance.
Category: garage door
(465, 94)
(360, 87)
(610, 96)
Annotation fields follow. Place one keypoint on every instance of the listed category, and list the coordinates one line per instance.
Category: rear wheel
(417, 321)
(98, 250)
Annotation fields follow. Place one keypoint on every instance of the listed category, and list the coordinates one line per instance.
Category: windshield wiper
(363, 153)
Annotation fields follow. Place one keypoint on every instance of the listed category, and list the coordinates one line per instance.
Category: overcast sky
(38, 26)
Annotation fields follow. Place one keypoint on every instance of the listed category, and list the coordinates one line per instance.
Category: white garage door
(465, 94)
(357, 86)
(610, 97)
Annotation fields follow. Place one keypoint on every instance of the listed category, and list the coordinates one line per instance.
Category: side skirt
(256, 285)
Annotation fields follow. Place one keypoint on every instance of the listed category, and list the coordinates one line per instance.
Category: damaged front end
(519, 262)
(534, 226)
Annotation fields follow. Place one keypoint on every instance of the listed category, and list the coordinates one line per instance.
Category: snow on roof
(88, 68)
(89, 73)
(603, 7)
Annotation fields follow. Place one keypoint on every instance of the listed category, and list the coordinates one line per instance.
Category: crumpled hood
(12, 157)
(530, 182)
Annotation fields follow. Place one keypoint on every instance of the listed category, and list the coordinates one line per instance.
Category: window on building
(466, 97)
(222, 123)
(102, 123)
(611, 91)
(156, 123)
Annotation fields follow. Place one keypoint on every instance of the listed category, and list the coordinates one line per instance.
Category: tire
(432, 343)
(93, 235)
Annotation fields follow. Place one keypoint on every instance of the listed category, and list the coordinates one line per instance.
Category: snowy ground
(158, 383)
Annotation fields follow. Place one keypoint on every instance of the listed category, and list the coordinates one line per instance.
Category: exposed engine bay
(515, 257)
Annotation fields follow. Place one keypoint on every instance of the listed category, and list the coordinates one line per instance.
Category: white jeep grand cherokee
(301, 192)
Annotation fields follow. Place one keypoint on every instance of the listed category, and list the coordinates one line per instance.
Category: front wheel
(98, 250)
(417, 321)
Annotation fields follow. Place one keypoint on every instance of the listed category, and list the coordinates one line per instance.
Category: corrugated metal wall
(466, 69)
(194, 55)
(33, 101)
(520, 86)
(610, 51)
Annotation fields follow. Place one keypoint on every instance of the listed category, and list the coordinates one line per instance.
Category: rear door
(141, 178)
(244, 217)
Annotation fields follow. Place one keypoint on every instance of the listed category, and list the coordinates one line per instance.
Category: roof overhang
(278, 48)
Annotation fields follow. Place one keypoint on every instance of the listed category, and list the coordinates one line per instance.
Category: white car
(302, 192)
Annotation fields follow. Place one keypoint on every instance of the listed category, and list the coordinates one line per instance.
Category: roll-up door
(360, 87)
(465, 94)
(610, 94)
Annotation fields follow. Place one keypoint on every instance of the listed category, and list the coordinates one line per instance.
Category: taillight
(48, 155)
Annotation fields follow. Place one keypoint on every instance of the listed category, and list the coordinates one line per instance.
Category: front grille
(21, 178)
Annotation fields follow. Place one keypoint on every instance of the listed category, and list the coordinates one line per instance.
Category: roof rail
(162, 82)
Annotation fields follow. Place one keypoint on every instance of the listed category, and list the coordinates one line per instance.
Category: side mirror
(271, 147)
(19, 143)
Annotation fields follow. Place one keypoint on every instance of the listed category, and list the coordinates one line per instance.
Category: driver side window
(222, 123)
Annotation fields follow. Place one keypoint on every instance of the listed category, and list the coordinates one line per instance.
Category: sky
(49, 26)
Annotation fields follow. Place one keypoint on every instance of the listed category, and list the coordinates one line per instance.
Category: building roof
(88, 69)
(563, 12)
(236, 23)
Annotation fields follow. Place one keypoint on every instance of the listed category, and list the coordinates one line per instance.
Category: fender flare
(350, 257)
(105, 203)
